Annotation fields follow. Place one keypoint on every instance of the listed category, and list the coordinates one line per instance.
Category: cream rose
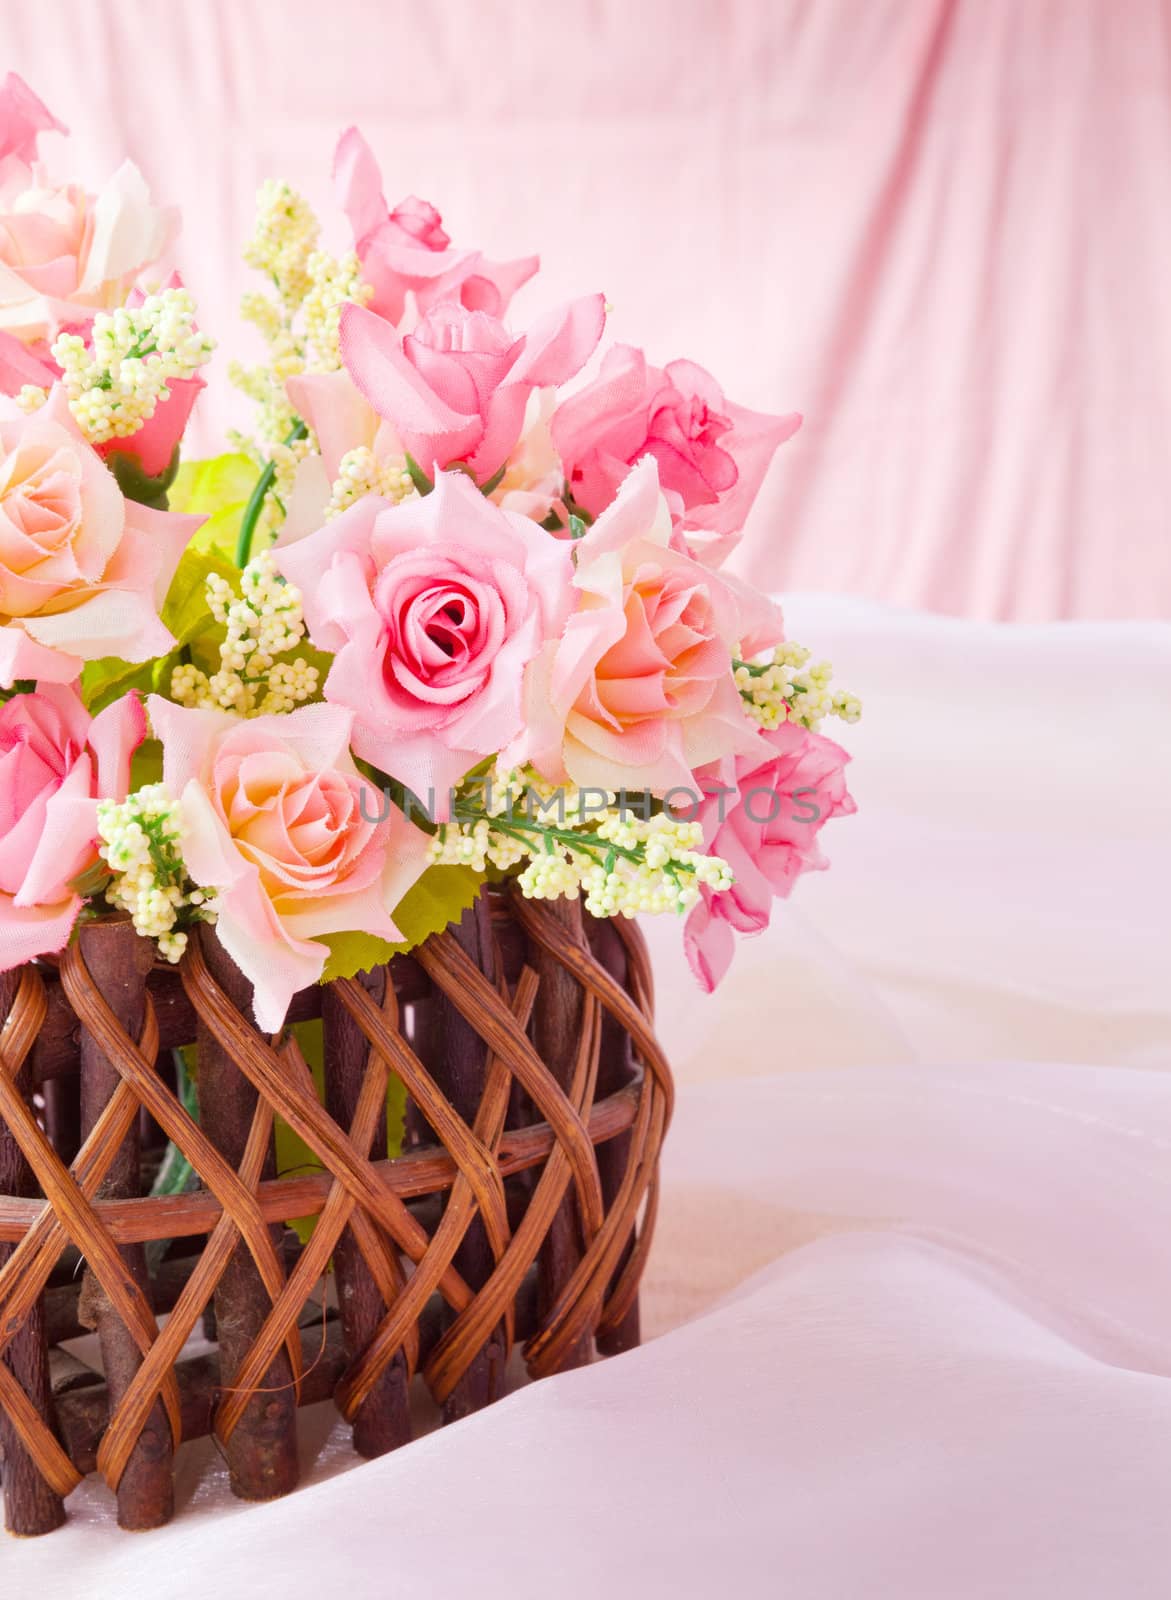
(83, 571)
(64, 253)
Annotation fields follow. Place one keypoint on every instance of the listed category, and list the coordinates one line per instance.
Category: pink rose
(56, 763)
(277, 820)
(432, 608)
(83, 571)
(712, 455)
(456, 389)
(23, 118)
(639, 690)
(762, 815)
(65, 254)
(533, 480)
(20, 365)
(155, 443)
(407, 250)
(342, 421)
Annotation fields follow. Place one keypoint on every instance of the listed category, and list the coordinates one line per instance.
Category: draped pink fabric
(909, 1290)
(940, 229)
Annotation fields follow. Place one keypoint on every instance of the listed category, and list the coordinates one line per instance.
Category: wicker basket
(537, 1101)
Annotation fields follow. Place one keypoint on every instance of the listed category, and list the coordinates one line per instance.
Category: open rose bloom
(280, 824)
(471, 551)
(638, 692)
(83, 571)
(65, 254)
(67, 257)
(56, 763)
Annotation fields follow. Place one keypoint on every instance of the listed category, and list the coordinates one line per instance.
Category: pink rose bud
(407, 251)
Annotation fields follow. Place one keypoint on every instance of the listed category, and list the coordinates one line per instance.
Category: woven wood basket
(519, 1212)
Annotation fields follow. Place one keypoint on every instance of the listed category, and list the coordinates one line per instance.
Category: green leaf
(205, 487)
(110, 678)
(220, 531)
(146, 764)
(441, 895)
(185, 610)
(135, 484)
(92, 881)
(396, 1114)
(220, 490)
(292, 1153)
(351, 953)
(185, 613)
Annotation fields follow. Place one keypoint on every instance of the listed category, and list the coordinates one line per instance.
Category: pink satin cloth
(939, 230)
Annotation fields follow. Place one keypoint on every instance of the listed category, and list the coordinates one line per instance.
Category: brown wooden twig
(383, 1420)
(262, 1451)
(55, 1053)
(458, 1067)
(615, 1070)
(479, 1234)
(557, 1023)
(30, 1505)
(118, 962)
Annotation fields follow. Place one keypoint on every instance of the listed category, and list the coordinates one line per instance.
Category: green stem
(585, 843)
(257, 498)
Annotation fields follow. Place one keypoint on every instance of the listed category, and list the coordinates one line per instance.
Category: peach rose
(56, 763)
(65, 254)
(432, 610)
(639, 691)
(277, 820)
(83, 571)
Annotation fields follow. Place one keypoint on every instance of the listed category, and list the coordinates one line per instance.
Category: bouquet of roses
(440, 619)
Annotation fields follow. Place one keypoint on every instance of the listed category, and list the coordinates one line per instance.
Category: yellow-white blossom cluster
(786, 688)
(286, 457)
(361, 473)
(299, 324)
(333, 281)
(139, 839)
(263, 622)
(284, 238)
(611, 849)
(116, 381)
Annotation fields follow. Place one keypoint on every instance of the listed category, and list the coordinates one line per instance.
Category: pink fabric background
(939, 228)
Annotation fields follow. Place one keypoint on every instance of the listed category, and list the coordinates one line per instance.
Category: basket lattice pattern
(523, 1185)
